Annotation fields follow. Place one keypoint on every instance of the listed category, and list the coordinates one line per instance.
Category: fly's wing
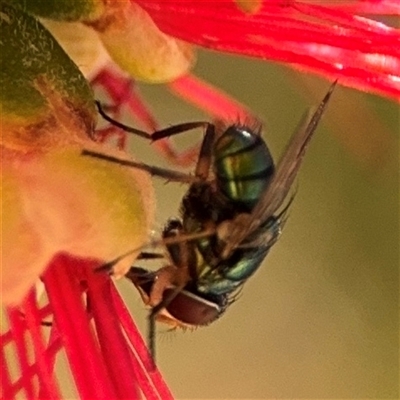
(281, 181)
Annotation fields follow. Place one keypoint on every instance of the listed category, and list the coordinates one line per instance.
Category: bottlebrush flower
(332, 39)
(62, 215)
(323, 37)
(52, 198)
(49, 193)
(153, 40)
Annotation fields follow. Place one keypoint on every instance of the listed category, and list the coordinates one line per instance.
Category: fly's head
(188, 309)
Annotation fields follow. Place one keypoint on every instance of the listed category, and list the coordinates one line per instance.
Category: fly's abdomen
(243, 165)
(244, 262)
(238, 269)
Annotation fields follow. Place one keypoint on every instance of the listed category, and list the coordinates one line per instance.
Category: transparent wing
(282, 180)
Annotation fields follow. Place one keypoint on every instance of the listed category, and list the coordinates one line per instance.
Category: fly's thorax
(182, 253)
(242, 165)
(203, 205)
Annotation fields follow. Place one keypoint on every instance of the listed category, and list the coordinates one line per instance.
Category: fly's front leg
(166, 276)
(115, 128)
(120, 125)
(163, 280)
(183, 159)
(204, 159)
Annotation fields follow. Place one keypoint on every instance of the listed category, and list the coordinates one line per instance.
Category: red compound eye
(192, 309)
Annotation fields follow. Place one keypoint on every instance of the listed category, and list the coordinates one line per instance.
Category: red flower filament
(105, 352)
(325, 38)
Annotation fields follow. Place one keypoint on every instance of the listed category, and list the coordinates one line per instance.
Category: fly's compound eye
(192, 309)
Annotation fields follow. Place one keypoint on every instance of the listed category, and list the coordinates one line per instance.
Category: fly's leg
(166, 276)
(206, 147)
(168, 174)
(118, 91)
(184, 238)
(176, 275)
(158, 135)
(204, 160)
(144, 255)
(120, 125)
(181, 252)
(123, 92)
